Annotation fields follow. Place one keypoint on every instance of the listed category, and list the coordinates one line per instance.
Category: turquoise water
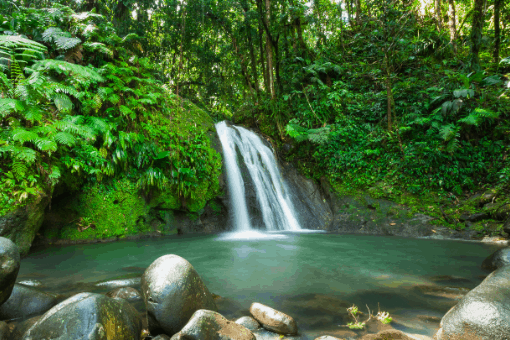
(312, 277)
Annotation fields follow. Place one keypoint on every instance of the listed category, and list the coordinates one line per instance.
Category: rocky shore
(172, 302)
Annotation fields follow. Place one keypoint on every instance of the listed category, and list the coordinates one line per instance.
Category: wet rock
(499, 258)
(131, 282)
(31, 283)
(273, 320)
(126, 293)
(161, 337)
(474, 217)
(392, 334)
(172, 291)
(485, 198)
(209, 325)
(90, 316)
(483, 314)
(248, 322)
(327, 337)
(9, 267)
(502, 213)
(4, 331)
(20, 328)
(25, 302)
(264, 334)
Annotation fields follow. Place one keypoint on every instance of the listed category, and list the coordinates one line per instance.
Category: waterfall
(262, 170)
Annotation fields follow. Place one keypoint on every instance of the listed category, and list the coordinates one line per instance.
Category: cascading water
(272, 193)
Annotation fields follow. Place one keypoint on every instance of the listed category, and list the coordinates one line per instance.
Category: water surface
(313, 277)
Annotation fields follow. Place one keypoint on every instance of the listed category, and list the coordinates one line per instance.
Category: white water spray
(272, 193)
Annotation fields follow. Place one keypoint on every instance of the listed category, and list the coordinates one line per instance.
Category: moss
(106, 210)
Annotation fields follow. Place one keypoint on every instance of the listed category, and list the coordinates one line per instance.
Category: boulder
(172, 291)
(20, 328)
(248, 322)
(126, 293)
(9, 267)
(387, 334)
(88, 316)
(135, 281)
(264, 334)
(327, 337)
(209, 325)
(31, 283)
(498, 259)
(4, 331)
(273, 320)
(26, 302)
(161, 337)
(483, 314)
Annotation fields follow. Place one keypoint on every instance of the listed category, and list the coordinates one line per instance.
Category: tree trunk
(262, 59)
(181, 52)
(439, 17)
(451, 25)
(497, 31)
(358, 11)
(389, 96)
(269, 49)
(476, 34)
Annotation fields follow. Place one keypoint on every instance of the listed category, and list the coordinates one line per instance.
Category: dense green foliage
(80, 105)
(397, 97)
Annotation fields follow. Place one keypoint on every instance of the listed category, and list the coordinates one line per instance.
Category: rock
(387, 334)
(497, 259)
(455, 293)
(161, 337)
(126, 293)
(264, 334)
(120, 283)
(88, 316)
(20, 328)
(486, 198)
(26, 302)
(483, 314)
(327, 337)
(9, 267)
(21, 224)
(31, 283)
(506, 226)
(4, 331)
(474, 217)
(503, 212)
(209, 325)
(172, 291)
(248, 322)
(273, 320)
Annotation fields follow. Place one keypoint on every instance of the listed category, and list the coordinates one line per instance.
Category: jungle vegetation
(408, 96)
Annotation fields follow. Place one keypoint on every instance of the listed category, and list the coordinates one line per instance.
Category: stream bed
(313, 277)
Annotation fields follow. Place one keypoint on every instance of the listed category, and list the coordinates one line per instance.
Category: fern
(63, 40)
(65, 138)
(98, 47)
(81, 73)
(22, 49)
(478, 116)
(9, 105)
(21, 135)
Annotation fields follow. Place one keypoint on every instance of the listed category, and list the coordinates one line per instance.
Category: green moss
(106, 210)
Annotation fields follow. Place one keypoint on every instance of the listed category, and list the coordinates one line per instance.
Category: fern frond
(448, 131)
(63, 67)
(98, 47)
(21, 135)
(33, 113)
(478, 116)
(62, 102)
(44, 144)
(19, 169)
(97, 124)
(24, 154)
(7, 106)
(11, 45)
(65, 138)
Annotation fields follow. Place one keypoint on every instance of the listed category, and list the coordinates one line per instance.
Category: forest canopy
(405, 96)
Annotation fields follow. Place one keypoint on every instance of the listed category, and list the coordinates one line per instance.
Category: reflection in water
(313, 277)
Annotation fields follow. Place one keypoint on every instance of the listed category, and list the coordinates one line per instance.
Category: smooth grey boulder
(88, 316)
(264, 334)
(172, 291)
(126, 293)
(248, 322)
(9, 267)
(208, 325)
(21, 327)
(483, 314)
(273, 320)
(31, 283)
(327, 337)
(26, 302)
(498, 259)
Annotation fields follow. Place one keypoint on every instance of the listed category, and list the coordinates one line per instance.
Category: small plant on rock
(357, 324)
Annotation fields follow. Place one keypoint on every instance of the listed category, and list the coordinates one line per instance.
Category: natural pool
(312, 277)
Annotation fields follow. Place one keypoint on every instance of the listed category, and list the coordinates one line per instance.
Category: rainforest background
(402, 100)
